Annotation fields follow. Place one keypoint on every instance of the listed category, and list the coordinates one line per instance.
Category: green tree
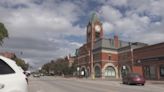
(3, 33)
(21, 63)
(59, 67)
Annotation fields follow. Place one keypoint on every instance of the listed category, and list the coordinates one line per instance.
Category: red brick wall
(105, 56)
(116, 41)
(8, 54)
(137, 69)
(124, 57)
(149, 51)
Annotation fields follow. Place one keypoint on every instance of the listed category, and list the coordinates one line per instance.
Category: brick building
(70, 59)
(99, 56)
(8, 54)
(114, 58)
(126, 58)
(150, 61)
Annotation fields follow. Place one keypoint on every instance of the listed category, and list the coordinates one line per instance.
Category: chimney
(116, 41)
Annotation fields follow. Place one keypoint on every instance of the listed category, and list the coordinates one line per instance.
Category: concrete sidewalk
(155, 81)
(113, 79)
(161, 82)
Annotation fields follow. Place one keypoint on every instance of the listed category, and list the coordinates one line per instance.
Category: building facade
(99, 56)
(8, 54)
(113, 58)
(150, 59)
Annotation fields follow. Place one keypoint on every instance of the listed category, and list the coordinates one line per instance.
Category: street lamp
(131, 49)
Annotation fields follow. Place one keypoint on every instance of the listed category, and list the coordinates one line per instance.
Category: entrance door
(110, 72)
(149, 72)
(97, 71)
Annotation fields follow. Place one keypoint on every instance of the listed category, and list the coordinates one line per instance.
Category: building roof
(109, 44)
(94, 18)
(148, 47)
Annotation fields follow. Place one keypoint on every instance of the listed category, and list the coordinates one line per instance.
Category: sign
(78, 68)
(124, 67)
(82, 72)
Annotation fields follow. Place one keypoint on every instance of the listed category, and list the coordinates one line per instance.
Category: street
(57, 84)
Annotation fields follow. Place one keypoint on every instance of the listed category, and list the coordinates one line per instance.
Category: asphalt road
(52, 84)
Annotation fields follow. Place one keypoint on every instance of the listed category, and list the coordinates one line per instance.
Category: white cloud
(108, 28)
(118, 2)
(110, 14)
(76, 44)
(42, 29)
(140, 20)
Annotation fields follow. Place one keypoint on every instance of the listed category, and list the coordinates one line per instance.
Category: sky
(44, 30)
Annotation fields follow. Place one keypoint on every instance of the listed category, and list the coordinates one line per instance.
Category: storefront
(110, 72)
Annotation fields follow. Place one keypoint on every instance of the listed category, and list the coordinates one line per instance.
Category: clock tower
(94, 29)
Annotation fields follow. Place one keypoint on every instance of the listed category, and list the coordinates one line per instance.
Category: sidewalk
(155, 81)
(161, 82)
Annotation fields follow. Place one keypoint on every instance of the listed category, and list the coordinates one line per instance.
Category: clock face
(97, 28)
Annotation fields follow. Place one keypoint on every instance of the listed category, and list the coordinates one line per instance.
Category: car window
(5, 68)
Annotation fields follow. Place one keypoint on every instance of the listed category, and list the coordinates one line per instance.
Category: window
(112, 43)
(110, 72)
(109, 57)
(162, 70)
(5, 68)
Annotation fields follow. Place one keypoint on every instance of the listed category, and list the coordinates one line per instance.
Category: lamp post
(132, 56)
(131, 49)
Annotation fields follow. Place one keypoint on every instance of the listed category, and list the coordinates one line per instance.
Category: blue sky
(49, 29)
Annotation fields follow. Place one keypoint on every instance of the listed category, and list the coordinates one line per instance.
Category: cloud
(48, 29)
(32, 29)
(110, 14)
(134, 20)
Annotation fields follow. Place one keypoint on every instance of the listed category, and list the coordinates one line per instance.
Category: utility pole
(91, 55)
(131, 49)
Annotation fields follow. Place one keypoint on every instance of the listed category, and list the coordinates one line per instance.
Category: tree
(21, 63)
(3, 33)
(59, 67)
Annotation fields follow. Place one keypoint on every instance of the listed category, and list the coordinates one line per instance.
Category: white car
(12, 78)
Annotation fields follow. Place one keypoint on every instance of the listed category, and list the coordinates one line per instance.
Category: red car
(133, 78)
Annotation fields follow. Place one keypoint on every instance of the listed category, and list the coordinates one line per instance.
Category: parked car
(133, 78)
(12, 78)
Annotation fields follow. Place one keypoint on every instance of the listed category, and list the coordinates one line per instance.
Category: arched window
(97, 71)
(110, 72)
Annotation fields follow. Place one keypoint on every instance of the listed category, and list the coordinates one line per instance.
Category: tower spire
(94, 18)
